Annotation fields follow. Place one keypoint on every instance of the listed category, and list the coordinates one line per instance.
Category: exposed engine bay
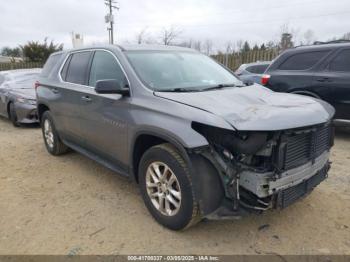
(263, 170)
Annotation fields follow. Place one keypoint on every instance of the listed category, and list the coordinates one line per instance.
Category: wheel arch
(41, 109)
(8, 107)
(207, 185)
(144, 140)
(306, 93)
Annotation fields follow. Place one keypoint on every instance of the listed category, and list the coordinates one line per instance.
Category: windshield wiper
(179, 90)
(219, 86)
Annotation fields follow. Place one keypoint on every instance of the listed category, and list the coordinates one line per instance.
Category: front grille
(290, 195)
(301, 147)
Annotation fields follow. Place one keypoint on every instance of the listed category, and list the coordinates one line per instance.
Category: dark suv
(198, 142)
(321, 71)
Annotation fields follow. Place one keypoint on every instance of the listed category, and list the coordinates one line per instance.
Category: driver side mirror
(110, 86)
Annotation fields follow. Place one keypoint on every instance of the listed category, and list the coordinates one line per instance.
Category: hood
(25, 93)
(257, 108)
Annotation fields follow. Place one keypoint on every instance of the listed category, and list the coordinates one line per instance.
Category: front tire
(166, 188)
(53, 143)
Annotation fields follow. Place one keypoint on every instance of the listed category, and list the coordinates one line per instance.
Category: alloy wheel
(49, 137)
(163, 188)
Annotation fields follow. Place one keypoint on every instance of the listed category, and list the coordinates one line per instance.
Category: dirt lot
(72, 205)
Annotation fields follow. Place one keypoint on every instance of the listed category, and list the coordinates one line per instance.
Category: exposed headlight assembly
(247, 143)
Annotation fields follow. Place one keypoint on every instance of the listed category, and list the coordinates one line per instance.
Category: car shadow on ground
(31, 125)
(343, 133)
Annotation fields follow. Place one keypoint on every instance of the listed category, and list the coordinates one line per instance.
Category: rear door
(103, 116)
(335, 78)
(74, 75)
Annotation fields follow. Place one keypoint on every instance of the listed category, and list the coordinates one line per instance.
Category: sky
(222, 21)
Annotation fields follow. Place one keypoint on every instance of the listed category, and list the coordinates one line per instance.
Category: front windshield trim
(200, 88)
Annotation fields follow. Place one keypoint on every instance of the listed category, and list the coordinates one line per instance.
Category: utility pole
(109, 18)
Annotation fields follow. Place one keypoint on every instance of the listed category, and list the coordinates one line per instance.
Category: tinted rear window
(303, 61)
(78, 68)
(341, 62)
(257, 69)
(50, 63)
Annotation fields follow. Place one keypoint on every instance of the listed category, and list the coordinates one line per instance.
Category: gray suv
(197, 141)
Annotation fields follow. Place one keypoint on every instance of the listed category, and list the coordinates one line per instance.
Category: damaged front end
(258, 170)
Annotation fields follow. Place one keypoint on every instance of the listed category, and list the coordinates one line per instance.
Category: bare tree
(228, 47)
(288, 35)
(271, 45)
(141, 36)
(208, 46)
(228, 50)
(168, 35)
(284, 29)
(346, 36)
(239, 45)
(197, 45)
(187, 43)
(308, 37)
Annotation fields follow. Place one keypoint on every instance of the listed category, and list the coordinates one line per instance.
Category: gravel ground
(72, 205)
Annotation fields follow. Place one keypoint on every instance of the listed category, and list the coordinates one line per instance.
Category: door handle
(324, 79)
(86, 98)
(54, 90)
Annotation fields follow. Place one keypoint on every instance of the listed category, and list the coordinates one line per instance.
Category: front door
(104, 116)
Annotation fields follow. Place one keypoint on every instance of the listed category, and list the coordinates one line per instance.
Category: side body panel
(104, 125)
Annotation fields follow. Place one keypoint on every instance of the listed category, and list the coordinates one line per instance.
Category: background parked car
(252, 73)
(321, 71)
(17, 95)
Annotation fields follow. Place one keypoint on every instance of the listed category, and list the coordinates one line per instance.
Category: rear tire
(53, 143)
(166, 188)
(13, 115)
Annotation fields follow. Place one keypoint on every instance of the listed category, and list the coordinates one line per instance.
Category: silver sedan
(17, 95)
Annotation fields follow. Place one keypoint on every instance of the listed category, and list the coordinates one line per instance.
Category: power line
(273, 20)
(226, 12)
(265, 21)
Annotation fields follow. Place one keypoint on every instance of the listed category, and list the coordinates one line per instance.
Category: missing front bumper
(266, 184)
(250, 203)
(290, 195)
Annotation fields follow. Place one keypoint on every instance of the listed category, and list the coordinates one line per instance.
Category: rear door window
(78, 68)
(303, 61)
(50, 63)
(341, 63)
(257, 69)
(65, 68)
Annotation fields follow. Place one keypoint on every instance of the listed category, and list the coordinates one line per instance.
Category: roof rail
(340, 41)
(332, 42)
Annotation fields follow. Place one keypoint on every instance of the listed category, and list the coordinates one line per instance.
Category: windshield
(180, 71)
